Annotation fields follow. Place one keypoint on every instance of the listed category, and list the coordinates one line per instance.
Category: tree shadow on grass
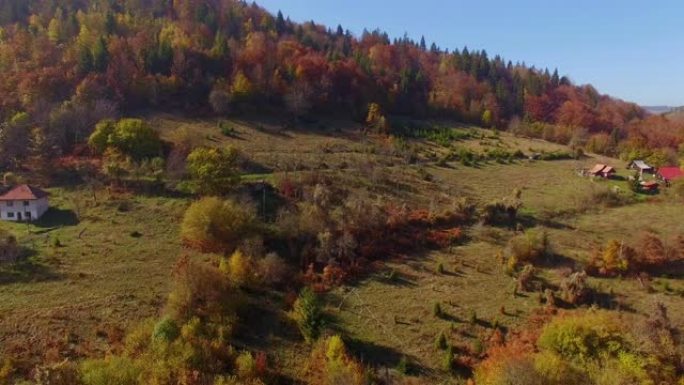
(449, 317)
(26, 270)
(263, 322)
(530, 221)
(376, 355)
(395, 278)
(453, 273)
(555, 261)
(56, 217)
(252, 167)
(154, 188)
(671, 269)
(484, 323)
(268, 199)
(280, 133)
(462, 370)
(608, 300)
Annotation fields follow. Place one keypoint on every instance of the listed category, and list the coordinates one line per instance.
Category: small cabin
(602, 170)
(641, 166)
(23, 203)
(668, 174)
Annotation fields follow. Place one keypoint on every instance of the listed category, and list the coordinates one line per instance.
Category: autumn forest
(211, 57)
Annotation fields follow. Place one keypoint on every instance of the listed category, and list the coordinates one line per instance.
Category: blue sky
(630, 49)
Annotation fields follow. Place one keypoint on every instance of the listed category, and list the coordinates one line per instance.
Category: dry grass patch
(393, 311)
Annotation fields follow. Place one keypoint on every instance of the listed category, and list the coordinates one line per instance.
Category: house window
(10, 214)
(26, 203)
(27, 215)
(10, 203)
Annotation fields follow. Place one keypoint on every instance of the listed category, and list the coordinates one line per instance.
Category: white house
(23, 203)
(641, 166)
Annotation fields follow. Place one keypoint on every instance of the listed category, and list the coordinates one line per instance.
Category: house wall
(36, 207)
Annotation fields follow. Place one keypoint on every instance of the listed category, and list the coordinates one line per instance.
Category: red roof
(23, 192)
(597, 169)
(670, 173)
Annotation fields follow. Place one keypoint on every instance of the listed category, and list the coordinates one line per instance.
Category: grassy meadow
(102, 260)
(101, 264)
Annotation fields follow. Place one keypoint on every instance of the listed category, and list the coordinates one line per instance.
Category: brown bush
(442, 238)
(550, 298)
(616, 258)
(201, 290)
(574, 289)
(525, 278)
(333, 275)
(652, 255)
(273, 270)
(655, 256)
(500, 213)
(651, 251)
(463, 208)
(288, 188)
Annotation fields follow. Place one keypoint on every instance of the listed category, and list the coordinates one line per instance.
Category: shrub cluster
(525, 279)
(574, 289)
(608, 197)
(218, 225)
(530, 247)
(335, 235)
(330, 364)
(650, 254)
(213, 171)
(190, 344)
(593, 347)
(502, 212)
(131, 137)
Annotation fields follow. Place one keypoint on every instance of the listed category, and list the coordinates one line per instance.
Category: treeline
(66, 64)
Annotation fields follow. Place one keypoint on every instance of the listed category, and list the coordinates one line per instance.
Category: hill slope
(110, 270)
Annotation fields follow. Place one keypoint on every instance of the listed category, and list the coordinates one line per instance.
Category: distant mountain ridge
(676, 114)
(658, 109)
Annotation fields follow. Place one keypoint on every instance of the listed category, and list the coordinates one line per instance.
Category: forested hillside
(66, 64)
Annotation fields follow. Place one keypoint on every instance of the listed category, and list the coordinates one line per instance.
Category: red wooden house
(602, 170)
(668, 174)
